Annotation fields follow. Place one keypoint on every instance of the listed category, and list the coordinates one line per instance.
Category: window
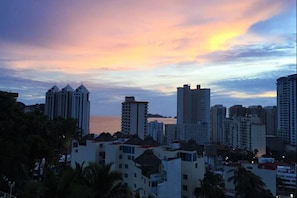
(120, 165)
(185, 176)
(196, 165)
(154, 184)
(75, 144)
(126, 175)
(185, 187)
(120, 156)
(135, 175)
(126, 165)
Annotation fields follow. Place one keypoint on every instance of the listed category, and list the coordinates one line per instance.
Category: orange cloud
(123, 35)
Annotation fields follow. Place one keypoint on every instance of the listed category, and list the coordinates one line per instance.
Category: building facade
(193, 113)
(217, 117)
(69, 103)
(287, 108)
(134, 117)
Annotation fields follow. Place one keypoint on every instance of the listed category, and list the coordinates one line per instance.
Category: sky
(147, 49)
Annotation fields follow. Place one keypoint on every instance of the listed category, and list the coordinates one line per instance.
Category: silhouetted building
(287, 108)
(217, 117)
(69, 103)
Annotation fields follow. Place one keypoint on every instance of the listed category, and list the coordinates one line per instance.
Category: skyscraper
(217, 118)
(193, 105)
(69, 103)
(134, 117)
(287, 108)
(193, 114)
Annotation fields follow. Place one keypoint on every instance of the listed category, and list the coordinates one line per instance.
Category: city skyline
(147, 49)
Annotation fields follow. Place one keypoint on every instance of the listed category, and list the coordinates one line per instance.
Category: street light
(11, 185)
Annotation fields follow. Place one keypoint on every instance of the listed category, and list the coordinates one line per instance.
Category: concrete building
(287, 108)
(193, 105)
(155, 129)
(217, 117)
(271, 120)
(69, 103)
(148, 169)
(246, 133)
(171, 134)
(193, 113)
(237, 111)
(134, 117)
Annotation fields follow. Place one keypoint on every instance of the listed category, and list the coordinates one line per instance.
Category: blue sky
(147, 49)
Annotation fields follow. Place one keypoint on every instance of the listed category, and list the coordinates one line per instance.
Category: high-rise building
(155, 129)
(193, 105)
(246, 133)
(287, 108)
(217, 117)
(193, 114)
(69, 103)
(134, 117)
(237, 111)
(51, 103)
(81, 108)
(271, 120)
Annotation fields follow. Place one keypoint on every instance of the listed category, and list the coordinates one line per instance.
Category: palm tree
(247, 184)
(212, 185)
(105, 183)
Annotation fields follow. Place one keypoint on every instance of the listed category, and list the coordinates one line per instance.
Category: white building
(69, 103)
(246, 133)
(217, 117)
(198, 132)
(155, 129)
(147, 169)
(134, 117)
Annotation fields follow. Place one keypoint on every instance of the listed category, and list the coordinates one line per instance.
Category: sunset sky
(147, 49)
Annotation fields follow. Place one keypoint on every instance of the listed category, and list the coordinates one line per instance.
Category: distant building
(69, 103)
(271, 120)
(237, 111)
(155, 129)
(217, 117)
(193, 113)
(171, 134)
(134, 117)
(287, 108)
(246, 133)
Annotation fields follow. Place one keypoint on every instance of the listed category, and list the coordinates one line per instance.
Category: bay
(112, 124)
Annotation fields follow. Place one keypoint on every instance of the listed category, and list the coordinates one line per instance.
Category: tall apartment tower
(69, 103)
(237, 111)
(81, 108)
(134, 117)
(51, 102)
(271, 120)
(217, 118)
(193, 105)
(287, 108)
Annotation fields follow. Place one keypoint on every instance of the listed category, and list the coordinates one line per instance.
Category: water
(112, 124)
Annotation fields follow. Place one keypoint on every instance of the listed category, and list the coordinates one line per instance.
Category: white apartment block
(287, 108)
(155, 129)
(155, 171)
(246, 133)
(171, 134)
(134, 117)
(69, 103)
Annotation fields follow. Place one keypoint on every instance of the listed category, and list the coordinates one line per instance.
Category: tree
(247, 184)
(212, 185)
(105, 183)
